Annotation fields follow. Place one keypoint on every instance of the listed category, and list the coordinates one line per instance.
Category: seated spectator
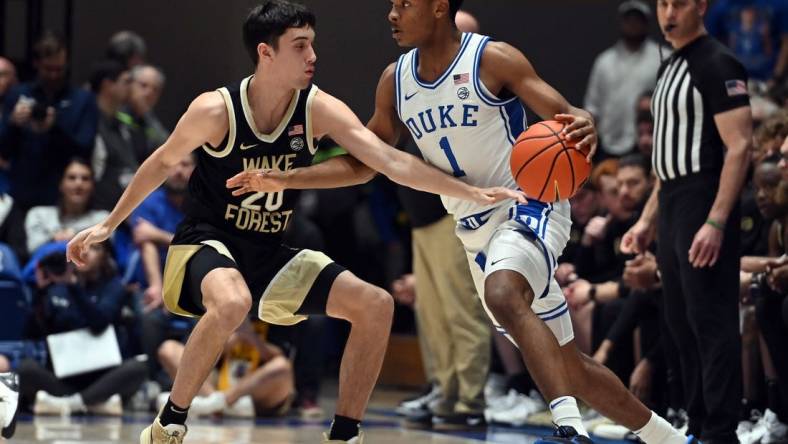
(7, 78)
(114, 159)
(67, 300)
(44, 124)
(73, 213)
(127, 48)
(147, 83)
(254, 377)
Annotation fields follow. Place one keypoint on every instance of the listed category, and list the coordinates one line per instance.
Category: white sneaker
(242, 408)
(758, 430)
(47, 404)
(611, 431)
(413, 406)
(111, 407)
(208, 405)
(776, 431)
(9, 403)
(516, 415)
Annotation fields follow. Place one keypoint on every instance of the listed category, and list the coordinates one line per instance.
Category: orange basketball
(547, 167)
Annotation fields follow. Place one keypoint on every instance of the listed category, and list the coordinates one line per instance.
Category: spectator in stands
(114, 160)
(147, 83)
(44, 124)
(7, 79)
(254, 378)
(73, 213)
(68, 300)
(127, 48)
(756, 31)
(599, 253)
(619, 76)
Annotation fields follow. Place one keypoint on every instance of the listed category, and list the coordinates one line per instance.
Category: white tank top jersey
(459, 126)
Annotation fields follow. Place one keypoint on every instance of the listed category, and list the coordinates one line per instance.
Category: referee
(702, 144)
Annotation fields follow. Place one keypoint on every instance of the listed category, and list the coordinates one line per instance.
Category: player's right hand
(258, 181)
(488, 196)
(78, 246)
(637, 239)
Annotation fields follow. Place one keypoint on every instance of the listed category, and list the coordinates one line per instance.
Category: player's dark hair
(105, 70)
(270, 20)
(454, 6)
(636, 160)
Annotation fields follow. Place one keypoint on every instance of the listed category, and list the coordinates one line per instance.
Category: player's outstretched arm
(204, 121)
(337, 172)
(331, 116)
(505, 67)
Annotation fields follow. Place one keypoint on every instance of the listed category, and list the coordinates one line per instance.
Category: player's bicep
(205, 121)
(518, 76)
(335, 119)
(385, 122)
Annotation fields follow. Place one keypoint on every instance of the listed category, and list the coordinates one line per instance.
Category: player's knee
(232, 310)
(377, 303)
(499, 300)
(280, 366)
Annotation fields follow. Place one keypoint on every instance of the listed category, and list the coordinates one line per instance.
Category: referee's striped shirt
(697, 82)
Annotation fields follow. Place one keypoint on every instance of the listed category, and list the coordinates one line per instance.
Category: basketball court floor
(381, 426)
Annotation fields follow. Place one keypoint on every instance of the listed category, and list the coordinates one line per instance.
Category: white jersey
(459, 126)
(464, 130)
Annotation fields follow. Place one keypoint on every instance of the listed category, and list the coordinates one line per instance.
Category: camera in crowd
(38, 110)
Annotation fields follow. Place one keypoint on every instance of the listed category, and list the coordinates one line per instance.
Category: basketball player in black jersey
(227, 256)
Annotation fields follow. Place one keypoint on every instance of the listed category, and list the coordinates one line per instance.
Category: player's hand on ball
(79, 245)
(258, 181)
(581, 132)
(487, 196)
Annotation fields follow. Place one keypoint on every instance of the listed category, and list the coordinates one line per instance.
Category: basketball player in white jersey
(227, 254)
(460, 96)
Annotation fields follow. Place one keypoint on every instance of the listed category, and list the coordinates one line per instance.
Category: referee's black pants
(702, 308)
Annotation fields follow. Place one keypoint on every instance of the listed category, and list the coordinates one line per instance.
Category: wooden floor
(89, 430)
(380, 425)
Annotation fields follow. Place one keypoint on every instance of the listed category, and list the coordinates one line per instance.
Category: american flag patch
(295, 130)
(736, 87)
(459, 79)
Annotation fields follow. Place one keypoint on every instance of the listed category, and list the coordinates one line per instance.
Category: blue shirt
(38, 160)
(159, 211)
(755, 44)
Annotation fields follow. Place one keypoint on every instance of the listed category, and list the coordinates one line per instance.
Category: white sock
(659, 431)
(565, 413)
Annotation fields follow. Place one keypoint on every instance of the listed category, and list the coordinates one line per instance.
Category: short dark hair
(47, 45)
(636, 160)
(270, 20)
(105, 70)
(454, 6)
(124, 45)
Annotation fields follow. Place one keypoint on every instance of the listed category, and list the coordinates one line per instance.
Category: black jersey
(261, 217)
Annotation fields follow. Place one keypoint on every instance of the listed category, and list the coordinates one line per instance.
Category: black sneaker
(459, 421)
(9, 398)
(564, 435)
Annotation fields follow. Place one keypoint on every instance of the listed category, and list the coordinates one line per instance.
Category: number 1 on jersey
(446, 147)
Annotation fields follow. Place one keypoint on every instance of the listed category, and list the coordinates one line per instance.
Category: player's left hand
(581, 131)
(705, 249)
(258, 181)
(488, 196)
